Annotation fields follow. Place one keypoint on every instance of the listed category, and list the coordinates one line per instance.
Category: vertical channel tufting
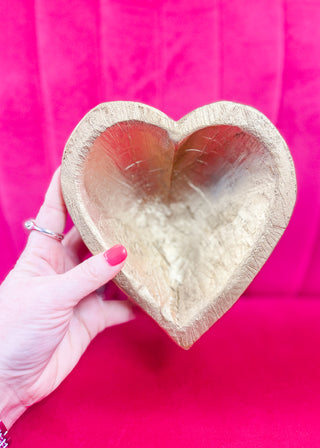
(282, 43)
(68, 54)
(221, 71)
(23, 162)
(48, 121)
(100, 88)
(216, 36)
(310, 279)
(170, 56)
(129, 52)
(299, 123)
(192, 56)
(251, 52)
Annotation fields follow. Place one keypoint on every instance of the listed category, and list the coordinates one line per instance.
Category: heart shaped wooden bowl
(199, 203)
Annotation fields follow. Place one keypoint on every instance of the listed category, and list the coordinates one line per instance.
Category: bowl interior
(188, 212)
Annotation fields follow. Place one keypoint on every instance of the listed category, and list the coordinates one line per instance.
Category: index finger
(52, 214)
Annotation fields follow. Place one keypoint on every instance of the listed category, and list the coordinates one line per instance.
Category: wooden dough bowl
(199, 203)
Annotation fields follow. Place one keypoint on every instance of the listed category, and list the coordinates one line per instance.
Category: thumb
(92, 273)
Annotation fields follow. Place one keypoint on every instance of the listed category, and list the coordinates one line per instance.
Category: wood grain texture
(199, 203)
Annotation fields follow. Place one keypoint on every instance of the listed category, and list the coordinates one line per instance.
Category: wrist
(10, 407)
(5, 439)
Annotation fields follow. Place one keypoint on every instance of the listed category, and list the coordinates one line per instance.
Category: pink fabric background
(254, 379)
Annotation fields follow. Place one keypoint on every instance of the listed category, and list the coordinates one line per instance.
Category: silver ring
(31, 225)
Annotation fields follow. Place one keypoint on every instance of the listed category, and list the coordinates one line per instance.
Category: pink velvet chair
(254, 379)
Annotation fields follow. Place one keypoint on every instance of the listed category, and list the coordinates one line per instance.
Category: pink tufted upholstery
(254, 379)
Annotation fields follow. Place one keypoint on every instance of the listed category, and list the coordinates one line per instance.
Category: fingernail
(116, 255)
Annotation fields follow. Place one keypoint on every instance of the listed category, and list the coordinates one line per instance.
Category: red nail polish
(116, 255)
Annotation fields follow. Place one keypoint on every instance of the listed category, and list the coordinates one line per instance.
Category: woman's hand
(50, 309)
